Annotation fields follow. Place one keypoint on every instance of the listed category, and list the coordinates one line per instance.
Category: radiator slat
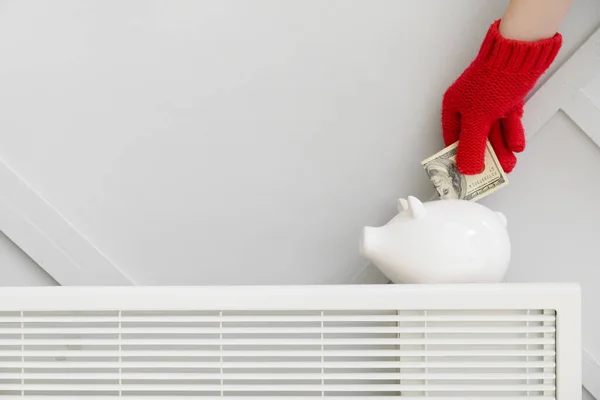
(175, 388)
(271, 342)
(277, 376)
(226, 330)
(279, 353)
(287, 318)
(284, 365)
(145, 397)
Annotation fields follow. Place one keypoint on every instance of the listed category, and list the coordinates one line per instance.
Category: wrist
(533, 20)
(516, 30)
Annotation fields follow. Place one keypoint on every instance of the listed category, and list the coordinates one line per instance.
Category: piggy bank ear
(402, 205)
(417, 209)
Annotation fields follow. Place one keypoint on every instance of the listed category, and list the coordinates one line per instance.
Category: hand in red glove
(486, 101)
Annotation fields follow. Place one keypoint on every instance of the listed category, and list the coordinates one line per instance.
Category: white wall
(231, 142)
(16, 269)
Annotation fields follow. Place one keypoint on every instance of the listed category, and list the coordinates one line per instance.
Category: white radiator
(447, 342)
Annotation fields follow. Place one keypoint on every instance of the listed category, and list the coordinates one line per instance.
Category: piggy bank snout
(368, 240)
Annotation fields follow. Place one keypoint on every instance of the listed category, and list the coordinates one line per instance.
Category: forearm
(533, 20)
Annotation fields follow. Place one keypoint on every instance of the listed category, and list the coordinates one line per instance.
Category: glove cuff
(504, 54)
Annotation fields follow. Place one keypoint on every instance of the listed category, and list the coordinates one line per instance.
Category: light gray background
(234, 142)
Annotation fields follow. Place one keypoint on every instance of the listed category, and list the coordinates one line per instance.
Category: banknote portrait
(449, 183)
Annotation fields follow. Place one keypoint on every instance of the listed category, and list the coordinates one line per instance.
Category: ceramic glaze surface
(443, 241)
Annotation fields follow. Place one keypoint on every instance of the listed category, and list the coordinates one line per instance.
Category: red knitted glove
(486, 101)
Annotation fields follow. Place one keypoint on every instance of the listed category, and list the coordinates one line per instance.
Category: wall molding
(369, 275)
(591, 374)
(565, 91)
(50, 239)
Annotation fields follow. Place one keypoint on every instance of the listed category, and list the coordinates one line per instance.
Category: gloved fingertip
(504, 154)
(470, 166)
(518, 146)
(470, 155)
(508, 165)
(508, 162)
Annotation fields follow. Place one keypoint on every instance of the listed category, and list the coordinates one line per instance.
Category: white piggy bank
(443, 241)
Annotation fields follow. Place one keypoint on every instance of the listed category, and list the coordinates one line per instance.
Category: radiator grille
(441, 354)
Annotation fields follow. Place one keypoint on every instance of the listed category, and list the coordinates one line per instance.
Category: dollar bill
(451, 184)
